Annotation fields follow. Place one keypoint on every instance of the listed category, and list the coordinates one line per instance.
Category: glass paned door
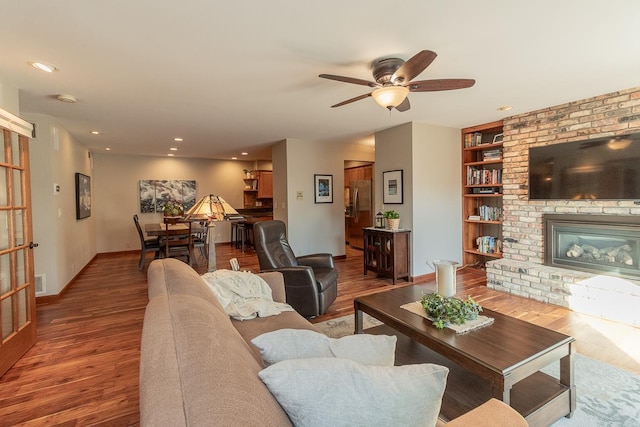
(17, 293)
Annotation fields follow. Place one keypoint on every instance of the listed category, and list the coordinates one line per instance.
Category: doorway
(17, 293)
(358, 201)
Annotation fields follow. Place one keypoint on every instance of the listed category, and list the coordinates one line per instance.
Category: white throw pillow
(340, 392)
(365, 349)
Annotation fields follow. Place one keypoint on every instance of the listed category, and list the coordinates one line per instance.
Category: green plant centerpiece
(392, 215)
(445, 311)
(172, 208)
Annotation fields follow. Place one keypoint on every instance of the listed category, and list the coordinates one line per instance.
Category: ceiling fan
(393, 81)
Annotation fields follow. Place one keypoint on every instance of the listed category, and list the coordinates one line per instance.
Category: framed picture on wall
(392, 190)
(323, 188)
(83, 196)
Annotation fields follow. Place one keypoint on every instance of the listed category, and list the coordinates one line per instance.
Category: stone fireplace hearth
(606, 284)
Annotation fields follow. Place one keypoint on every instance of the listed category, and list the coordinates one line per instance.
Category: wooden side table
(387, 252)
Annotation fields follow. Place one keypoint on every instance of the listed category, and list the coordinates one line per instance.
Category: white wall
(9, 99)
(280, 181)
(117, 192)
(65, 244)
(430, 159)
(312, 227)
(437, 195)
(393, 152)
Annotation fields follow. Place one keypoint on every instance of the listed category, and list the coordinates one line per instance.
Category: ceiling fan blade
(404, 105)
(348, 80)
(440, 84)
(349, 101)
(414, 66)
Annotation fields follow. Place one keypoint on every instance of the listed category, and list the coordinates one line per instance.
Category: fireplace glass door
(602, 247)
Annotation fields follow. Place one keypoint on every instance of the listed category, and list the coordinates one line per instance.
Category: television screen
(602, 168)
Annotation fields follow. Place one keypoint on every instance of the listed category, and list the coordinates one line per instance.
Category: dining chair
(146, 245)
(177, 245)
(200, 240)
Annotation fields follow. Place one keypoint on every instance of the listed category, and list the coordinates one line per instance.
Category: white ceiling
(238, 76)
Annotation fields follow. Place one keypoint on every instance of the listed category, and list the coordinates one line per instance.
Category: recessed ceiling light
(234, 158)
(244, 153)
(108, 149)
(96, 132)
(67, 98)
(173, 149)
(178, 139)
(43, 66)
(505, 108)
(170, 154)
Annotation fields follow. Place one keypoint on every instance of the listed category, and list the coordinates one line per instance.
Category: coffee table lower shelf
(540, 398)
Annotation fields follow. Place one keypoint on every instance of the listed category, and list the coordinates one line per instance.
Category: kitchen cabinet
(387, 252)
(258, 189)
(265, 185)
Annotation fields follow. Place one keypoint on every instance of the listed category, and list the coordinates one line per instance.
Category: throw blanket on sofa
(243, 295)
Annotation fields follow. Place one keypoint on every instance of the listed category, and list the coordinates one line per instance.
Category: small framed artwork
(323, 188)
(392, 187)
(83, 196)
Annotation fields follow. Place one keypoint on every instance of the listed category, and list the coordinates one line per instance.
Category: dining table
(157, 229)
(181, 228)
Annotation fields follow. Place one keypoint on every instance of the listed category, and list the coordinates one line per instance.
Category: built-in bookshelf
(482, 193)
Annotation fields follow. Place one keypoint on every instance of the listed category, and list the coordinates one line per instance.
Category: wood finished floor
(84, 369)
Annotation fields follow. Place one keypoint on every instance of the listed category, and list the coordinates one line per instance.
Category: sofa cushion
(340, 392)
(284, 344)
(249, 329)
(218, 373)
(170, 276)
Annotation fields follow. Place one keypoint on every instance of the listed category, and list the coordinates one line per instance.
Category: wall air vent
(41, 284)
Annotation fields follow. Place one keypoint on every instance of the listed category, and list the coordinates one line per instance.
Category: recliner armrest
(316, 260)
(492, 413)
(297, 277)
(301, 289)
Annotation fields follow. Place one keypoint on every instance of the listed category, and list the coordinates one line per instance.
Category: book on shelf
(474, 217)
(478, 176)
(489, 244)
(492, 154)
(472, 139)
(490, 213)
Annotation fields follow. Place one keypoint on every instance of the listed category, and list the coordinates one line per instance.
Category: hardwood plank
(84, 368)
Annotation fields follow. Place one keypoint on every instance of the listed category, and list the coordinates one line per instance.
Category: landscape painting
(156, 192)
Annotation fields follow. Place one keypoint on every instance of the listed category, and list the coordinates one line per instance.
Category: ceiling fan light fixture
(44, 66)
(390, 96)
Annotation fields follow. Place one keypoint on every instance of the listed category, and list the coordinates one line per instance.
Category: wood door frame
(21, 337)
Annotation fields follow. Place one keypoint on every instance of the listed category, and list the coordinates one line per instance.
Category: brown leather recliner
(311, 281)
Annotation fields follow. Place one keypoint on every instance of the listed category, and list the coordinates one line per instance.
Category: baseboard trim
(48, 299)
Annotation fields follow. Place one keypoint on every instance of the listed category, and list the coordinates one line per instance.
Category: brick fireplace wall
(520, 271)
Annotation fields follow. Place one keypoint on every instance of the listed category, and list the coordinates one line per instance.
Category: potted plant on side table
(393, 220)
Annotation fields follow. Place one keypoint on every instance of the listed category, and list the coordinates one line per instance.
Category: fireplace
(594, 243)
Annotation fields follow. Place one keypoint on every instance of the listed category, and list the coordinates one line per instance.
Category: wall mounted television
(594, 169)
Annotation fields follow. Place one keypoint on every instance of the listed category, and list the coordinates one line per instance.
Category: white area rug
(607, 396)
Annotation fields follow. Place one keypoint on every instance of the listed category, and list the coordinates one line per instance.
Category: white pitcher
(445, 276)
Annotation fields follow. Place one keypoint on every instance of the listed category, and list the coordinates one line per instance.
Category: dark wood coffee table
(502, 360)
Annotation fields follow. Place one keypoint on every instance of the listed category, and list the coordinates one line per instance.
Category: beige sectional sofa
(199, 368)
